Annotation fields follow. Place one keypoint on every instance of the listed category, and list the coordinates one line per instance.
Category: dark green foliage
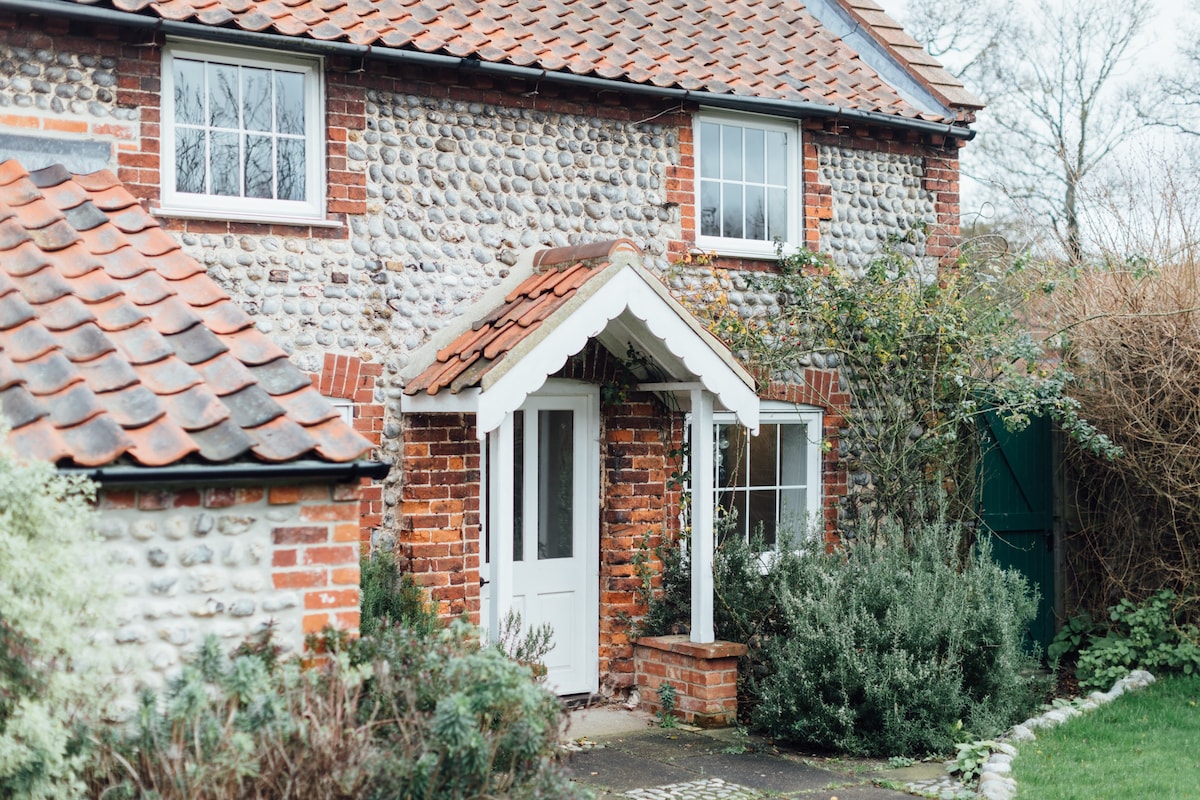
(19, 678)
(899, 645)
(1071, 639)
(391, 597)
(1148, 636)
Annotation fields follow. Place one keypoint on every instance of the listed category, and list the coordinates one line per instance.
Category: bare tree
(967, 36)
(1058, 113)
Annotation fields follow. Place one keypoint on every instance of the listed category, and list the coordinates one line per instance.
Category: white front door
(555, 473)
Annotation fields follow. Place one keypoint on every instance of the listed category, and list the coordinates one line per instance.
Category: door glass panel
(518, 486)
(556, 484)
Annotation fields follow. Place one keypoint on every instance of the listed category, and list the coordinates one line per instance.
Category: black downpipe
(780, 108)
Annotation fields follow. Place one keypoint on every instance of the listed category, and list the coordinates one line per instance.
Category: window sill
(734, 248)
(259, 219)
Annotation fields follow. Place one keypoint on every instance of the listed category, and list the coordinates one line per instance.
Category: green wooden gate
(1017, 508)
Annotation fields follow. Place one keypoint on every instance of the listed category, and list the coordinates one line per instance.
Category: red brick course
(704, 677)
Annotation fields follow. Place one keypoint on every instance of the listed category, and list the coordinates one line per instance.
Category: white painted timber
(702, 517)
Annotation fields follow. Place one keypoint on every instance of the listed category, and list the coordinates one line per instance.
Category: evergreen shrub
(903, 643)
(51, 593)
(1150, 635)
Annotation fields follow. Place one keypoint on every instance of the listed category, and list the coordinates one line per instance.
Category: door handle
(483, 583)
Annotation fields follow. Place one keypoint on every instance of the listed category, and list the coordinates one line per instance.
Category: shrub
(49, 593)
(458, 719)
(403, 714)
(234, 728)
(390, 597)
(1146, 636)
(900, 644)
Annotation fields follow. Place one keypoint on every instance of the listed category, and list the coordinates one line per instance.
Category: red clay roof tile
(691, 44)
(100, 313)
(558, 274)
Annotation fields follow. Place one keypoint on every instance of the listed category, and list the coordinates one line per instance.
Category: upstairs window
(241, 135)
(748, 187)
(770, 483)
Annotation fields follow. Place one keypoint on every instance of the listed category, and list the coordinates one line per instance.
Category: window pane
(256, 99)
(731, 515)
(556, 484)
(731, 153)
(225, 164)
(189, 160)
(222, 96)
(777, 161)
(756, 213)
(731, 456)
(710, 150)
(518, 486)
(761, 515)
(731, 210)
(777, 214)
(289, 102)
(764, 456)
(710, 208)
(793, 516)
(291, 175)
(258, 166)
(755, 156)
(792, 462)
(189, 92)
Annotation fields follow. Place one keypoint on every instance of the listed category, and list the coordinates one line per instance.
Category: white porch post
(500, 522)
(702, 516)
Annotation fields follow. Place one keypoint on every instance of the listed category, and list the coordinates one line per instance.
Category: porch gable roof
(571, 295)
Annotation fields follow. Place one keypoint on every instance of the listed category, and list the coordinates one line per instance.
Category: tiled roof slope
(558, 274)
(773, 49)
(116, 346)
(909, 50)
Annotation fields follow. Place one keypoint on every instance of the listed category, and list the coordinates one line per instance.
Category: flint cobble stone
(878, 201)
(63, 83)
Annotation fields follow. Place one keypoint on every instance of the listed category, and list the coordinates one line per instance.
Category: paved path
(649, 763)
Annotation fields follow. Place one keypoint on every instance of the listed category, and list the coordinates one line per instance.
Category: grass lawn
(1144, 744)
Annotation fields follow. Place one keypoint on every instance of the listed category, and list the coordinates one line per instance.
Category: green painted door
(1017, 507)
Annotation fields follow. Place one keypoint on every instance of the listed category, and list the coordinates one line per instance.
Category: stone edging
(995, 781)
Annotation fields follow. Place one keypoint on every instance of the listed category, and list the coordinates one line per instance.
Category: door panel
(555, 570)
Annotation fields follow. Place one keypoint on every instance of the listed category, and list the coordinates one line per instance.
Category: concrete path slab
(617, 771)
(645, 763)
(763, 772)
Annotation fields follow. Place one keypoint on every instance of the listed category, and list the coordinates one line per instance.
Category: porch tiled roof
(774, 49)
(116, 346)
(558, 274)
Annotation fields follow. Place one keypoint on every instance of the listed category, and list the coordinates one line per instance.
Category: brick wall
(190, 562)
(439, 524)
(350, 378)
(703, 676)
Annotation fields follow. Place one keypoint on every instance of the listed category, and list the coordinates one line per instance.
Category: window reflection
(239, 130)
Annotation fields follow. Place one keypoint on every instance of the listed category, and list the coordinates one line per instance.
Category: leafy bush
(233, 728)
(459, 719)
(403, 714)
(49, 593)
(390, 597)
(898, 645)
(1070, 639)
(1147, 636)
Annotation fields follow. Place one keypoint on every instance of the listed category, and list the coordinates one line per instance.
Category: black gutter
(203, 474)
(797, 109)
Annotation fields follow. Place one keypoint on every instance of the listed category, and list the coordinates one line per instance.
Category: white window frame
(779, 413)
(754, 248)
(309, 211)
